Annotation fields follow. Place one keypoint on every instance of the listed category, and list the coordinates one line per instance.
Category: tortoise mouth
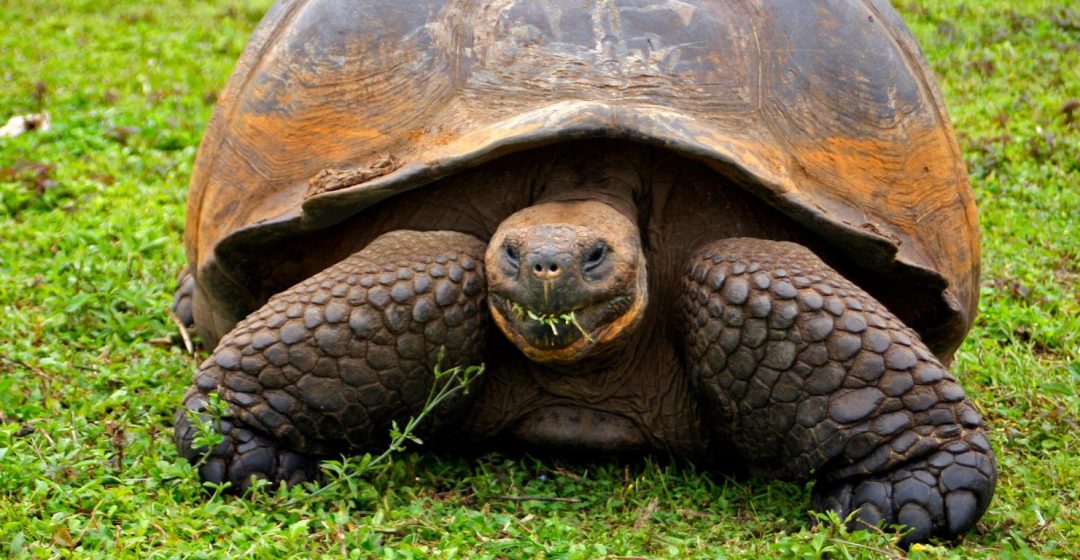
(551, 335)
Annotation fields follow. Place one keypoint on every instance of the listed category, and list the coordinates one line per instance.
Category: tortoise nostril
(546, 265)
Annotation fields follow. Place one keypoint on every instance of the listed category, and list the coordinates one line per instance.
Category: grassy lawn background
(91, 219)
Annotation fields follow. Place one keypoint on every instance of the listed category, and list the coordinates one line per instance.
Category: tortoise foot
(941, 496)
(243, 455)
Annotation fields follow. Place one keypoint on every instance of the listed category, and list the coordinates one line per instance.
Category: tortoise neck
(607, 172)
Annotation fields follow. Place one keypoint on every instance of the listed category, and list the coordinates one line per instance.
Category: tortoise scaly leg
(809, 376)
(326, 366)
(184, 298)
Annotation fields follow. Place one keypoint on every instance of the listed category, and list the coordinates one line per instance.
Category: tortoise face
(566, 280)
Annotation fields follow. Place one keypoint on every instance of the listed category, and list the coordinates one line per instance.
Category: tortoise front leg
(807, 375)
(325, 366)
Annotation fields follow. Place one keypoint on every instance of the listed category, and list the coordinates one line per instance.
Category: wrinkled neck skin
(576, 251)
(596, 175)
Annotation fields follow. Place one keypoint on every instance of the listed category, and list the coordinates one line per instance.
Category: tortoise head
(567, 280)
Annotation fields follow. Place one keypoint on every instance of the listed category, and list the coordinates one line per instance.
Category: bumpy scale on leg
(326, 366)
(806, 374)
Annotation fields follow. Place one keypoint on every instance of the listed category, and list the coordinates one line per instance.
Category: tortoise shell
(824, 110)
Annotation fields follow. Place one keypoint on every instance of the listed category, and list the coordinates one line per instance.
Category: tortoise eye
(596, 257)
(512, 256)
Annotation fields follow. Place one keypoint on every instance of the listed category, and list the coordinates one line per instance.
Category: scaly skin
(807, 375)
(327, 365)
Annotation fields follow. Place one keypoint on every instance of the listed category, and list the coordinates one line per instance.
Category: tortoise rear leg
(326, 366)
(184, 298)
(809, 376)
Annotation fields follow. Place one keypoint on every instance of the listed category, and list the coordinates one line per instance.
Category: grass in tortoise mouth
(551, 320)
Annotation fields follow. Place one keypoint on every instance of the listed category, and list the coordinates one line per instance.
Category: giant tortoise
(736, 231)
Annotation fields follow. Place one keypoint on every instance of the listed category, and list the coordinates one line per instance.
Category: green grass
(91, 218)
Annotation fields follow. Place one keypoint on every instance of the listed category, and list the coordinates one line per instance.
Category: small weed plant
(344, 473)
(551, 320)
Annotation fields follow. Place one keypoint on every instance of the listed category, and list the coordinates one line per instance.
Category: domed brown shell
(826, 110)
